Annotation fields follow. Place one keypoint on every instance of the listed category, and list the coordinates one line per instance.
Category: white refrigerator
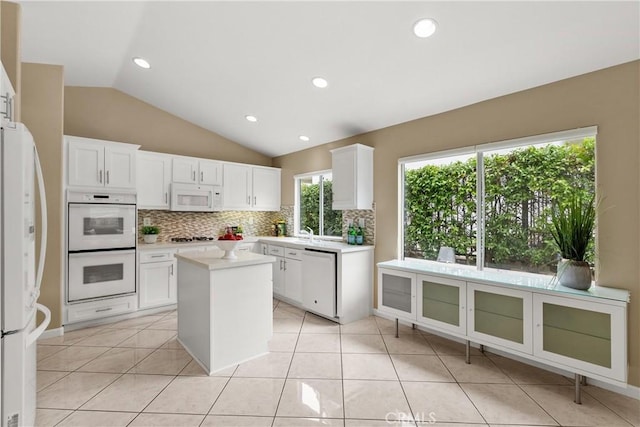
(20, 281)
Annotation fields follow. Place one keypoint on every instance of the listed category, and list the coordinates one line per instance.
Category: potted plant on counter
(150, 233)
(572, 226)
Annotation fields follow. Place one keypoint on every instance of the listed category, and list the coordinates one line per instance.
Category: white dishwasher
(319, 281)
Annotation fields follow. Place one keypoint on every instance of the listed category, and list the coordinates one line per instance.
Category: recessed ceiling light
(304, 138)
(425, 28)
(251, 118)
(142, 63)
(319, 82)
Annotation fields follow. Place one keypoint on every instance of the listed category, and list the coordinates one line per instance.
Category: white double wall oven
(101, 243)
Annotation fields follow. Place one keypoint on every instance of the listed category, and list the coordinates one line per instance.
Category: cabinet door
(500, 316)
(210, 172)
(157, 284)
(184, 169)
(441, 303)
(236, 188)
(86, 164)
(397, 293)
(120, 167)
(153, 178)
(581, 335)
(278, 276)
(293, 279)
(266, 189)
(344, 179)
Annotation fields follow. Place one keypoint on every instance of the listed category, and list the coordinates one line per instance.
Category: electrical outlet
(146, 221)
(361, 221)
(250, 220)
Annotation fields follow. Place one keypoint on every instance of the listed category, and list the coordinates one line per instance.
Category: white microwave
(196, 198)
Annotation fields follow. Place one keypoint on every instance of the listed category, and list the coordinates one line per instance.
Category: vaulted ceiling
(215, 62)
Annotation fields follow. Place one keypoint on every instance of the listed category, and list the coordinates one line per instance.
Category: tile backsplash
(190, 224)
(211, 224)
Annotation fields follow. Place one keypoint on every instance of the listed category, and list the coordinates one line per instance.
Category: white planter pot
(574, 274)
(150, 238)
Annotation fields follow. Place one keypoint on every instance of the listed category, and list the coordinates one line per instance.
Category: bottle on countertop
(359, 236)
(351, 234)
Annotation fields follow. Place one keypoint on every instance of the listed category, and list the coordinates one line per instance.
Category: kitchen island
(224, 307)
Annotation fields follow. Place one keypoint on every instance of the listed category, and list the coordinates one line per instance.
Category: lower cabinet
(499, 316)
(586, 335)
(397, 293)
(157, 279)
(287, 272)
(98, 309)
(442, 303)
(582, 332)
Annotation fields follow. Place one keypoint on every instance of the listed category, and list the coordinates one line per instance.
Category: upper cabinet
(191, 170)
(153, 180)
(96, 163)
(352, 170)
(249, 187)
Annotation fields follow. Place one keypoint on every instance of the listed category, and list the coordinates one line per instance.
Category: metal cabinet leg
(397, 328)
(584, 380)
(413, 326)
(482, 348)
(468, 353)
(578, 390)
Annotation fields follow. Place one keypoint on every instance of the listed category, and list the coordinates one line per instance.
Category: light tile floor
(135, 373)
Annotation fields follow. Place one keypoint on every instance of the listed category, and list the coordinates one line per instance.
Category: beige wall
(608, 98)
(106, 113)
(42, 106)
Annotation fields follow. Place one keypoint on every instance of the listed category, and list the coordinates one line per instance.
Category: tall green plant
(572, 226)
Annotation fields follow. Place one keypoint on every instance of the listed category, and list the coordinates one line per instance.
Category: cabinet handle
(157, 256)
(107, 177)
(264, 251)
(104, 309)
(248, 200)
(285, 265)
(172, 269)
(201, 176)
(100, 176)
(280, 264)
(194, 176)
(255, 200)
(166, 197)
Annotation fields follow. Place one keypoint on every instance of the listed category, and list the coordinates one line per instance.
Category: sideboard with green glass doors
(524, 314)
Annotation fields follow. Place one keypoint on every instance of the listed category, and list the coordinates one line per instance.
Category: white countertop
(212, 260)
(324, 245)
(514, 279)
(295, 242)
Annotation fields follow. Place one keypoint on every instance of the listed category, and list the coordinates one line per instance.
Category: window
(313, 205)
(492, 203)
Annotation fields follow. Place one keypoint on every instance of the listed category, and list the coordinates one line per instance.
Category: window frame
(296, 206)
(479, 150)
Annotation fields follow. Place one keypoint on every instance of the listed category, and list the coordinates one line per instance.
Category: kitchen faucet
(309, 233)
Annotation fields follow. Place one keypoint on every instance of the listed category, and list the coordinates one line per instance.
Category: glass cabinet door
(397, 293)
(441, 303)
(500, 316)
(581, 335)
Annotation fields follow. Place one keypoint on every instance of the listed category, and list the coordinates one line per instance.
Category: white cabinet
(157, 278)
(265, 188)
(95, 163)
(99, 309)
(352, 171)
(293, 274)
(191, 170)
(583, 335)
(500, 316)
(441, 303)
(397, 293)
(153, 180)
(251, 187)
(287, 271)
(236, 192)
(278, 269)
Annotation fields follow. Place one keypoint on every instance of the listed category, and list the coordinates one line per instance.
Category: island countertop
(212, 260)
